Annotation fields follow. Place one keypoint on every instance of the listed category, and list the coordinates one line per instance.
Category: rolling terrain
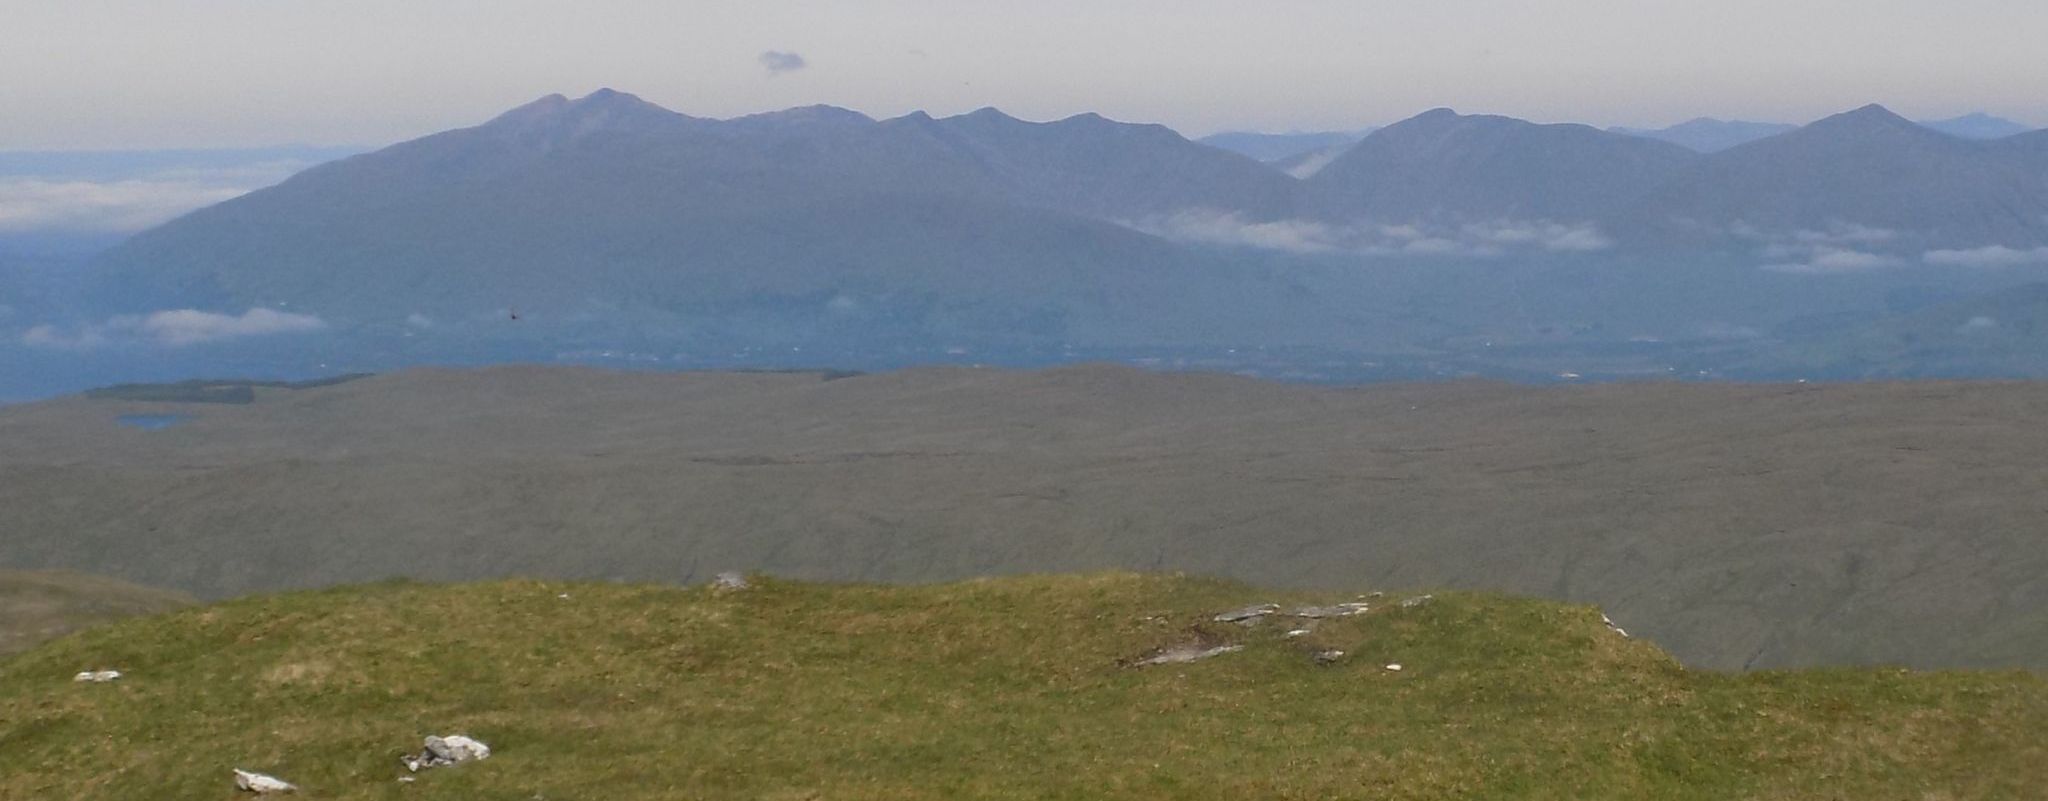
(42, 605)
(1737, 525)
(1011, 688)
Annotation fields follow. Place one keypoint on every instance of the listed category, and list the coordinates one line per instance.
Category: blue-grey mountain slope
(575, 209)
(1445, 166)
(1709, 135)
(1977, 126)
(1866, 177)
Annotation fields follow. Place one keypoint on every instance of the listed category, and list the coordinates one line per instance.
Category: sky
(89, 74)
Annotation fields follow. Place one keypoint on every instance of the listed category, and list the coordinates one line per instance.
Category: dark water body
(151, 422)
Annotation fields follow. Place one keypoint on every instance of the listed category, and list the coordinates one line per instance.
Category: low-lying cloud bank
(1845, 248)
(1993, 256)
(1468, 240)
(40, 203)
(1838, 249)
(175, 328)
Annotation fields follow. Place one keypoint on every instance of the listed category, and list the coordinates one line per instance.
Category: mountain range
(612, 178)
(607, 223)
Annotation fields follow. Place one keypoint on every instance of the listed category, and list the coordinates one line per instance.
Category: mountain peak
(604, 109)
(988, 113)
(807, 116)
(1873, 114)
(1872, 121)
(545, 106)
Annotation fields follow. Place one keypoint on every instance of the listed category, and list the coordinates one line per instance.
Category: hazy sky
(159, 73)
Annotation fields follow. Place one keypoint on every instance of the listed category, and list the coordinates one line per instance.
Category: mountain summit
(1444, 165)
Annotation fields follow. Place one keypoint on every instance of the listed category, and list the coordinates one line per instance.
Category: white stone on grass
(260, 784)
(453, 749)
(1183, 654)
(1253, 612)
(727, 582)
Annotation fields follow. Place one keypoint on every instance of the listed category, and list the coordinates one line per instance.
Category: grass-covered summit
(1009, 688)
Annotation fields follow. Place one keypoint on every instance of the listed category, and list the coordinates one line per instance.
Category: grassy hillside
(39, 605)
(1011, 688)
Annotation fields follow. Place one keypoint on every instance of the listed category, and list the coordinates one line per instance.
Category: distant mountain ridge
(1709, 135)
(824, 223)
(1442, 164)
(1869, 175)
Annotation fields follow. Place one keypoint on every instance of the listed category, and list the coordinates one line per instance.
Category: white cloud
(176, 328)
(32, 204)
(1315, 162)
(191, 326)
(1977, 325)
(1211, 227)
(1843, 233)
(48, 336)
(1472, 240)
(1835, 261)
(1992, 256)
(29, 203)
(1551, 236)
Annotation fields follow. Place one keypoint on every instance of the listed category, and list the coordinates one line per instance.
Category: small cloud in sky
(1977, 325)
(175, 328)
(1993, 256)
(778, 62)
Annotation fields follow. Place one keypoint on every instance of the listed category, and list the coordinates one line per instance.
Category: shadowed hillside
(1737, 525)
(40, 605)
(1015, 688)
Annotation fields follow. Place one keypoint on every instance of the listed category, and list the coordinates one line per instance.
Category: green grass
(1010, 688)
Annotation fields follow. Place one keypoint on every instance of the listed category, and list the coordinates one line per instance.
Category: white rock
(1253, 612)
(1297, 632)
(1184, 654)
(1416, 601)
(1396, 667)
(453, 749)
(729, 581)
(97, 676)
(260, 784)
(1340, 610)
